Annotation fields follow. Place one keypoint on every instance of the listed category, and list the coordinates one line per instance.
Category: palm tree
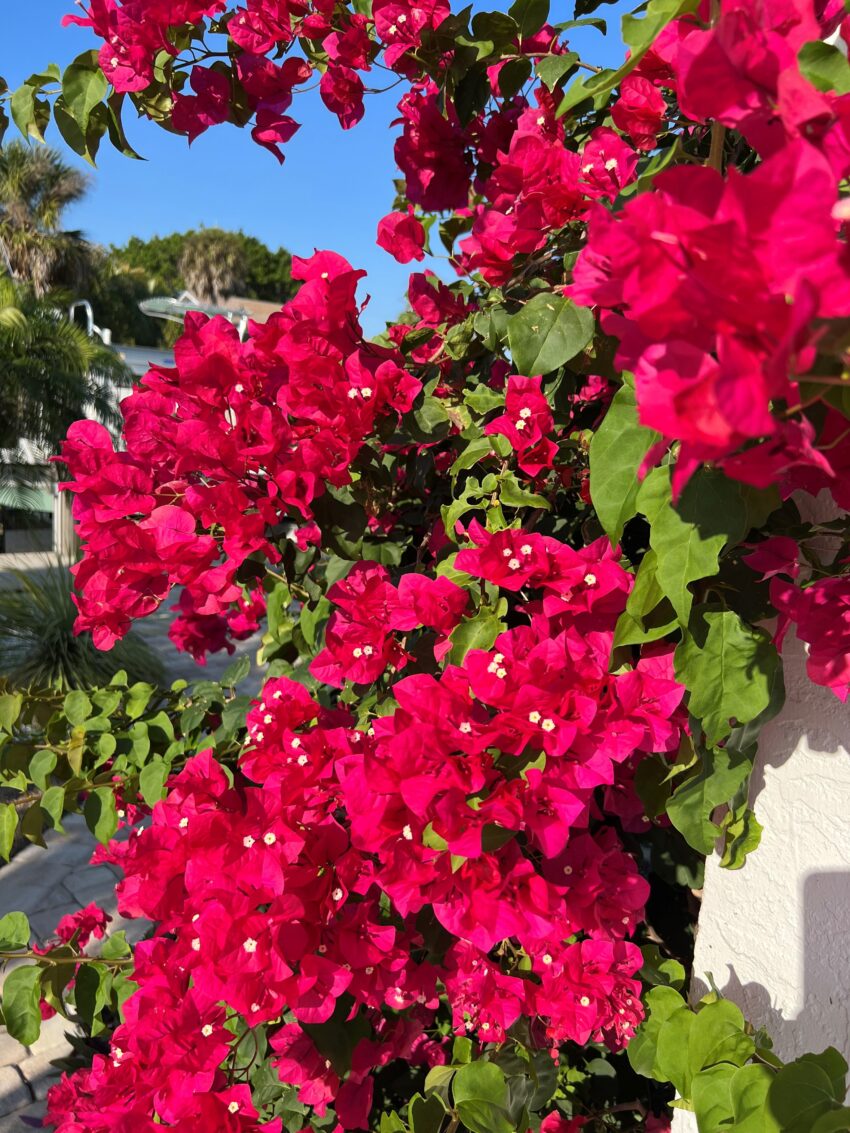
(213, 265)
(36, 188)
(52, 374)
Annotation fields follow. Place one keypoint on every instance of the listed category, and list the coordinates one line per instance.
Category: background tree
(167, 261)
(115, 292)
(53, 373)
(213, 265)
(36, 189)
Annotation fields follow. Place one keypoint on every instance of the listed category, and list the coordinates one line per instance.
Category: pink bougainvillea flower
(402, 235)
(341, 89)
(639, 111)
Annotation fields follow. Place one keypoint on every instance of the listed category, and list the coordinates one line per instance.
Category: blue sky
(333, 188)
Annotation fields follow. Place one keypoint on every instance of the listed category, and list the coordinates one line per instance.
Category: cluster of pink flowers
(238, 438)
(538, 186)
(307, 886)
(200, 634)
(439, 847)
(719, 375)
(668, 271)
(136, 32)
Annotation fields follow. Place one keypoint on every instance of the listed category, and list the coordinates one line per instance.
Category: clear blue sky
(330, 193)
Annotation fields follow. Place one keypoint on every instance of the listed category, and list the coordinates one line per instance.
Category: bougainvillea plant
(526, 564)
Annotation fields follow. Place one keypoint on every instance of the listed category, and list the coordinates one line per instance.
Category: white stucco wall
(776, 934)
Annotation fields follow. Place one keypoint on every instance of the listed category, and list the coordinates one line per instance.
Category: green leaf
(748, 1093)
(530, 15)
(152, 781)
(512, 494)
(8, 828)
(825, 66)
(310, 619)
(513, 76)
(84, 85)
(801, 1093)
(475, 633)
(23, 110)
(138, 698)
(834, 1065)
(462, 1049)
(548, 331)
(482, 399)
(616, 453)
(689, 1042)
(836, 1122)
(92, 987)
(552, 68)
(431, 419)
(115, 126)
(77, 707)
(85, 144)
(391, 1123)
(41, 766)
(662, 971)
(661, 1004)
(711, 1099)
(438, 1078)
(648, 615)
(236, 671)
(10, 710)
(719, 776)
(477, 450)
(480, 1081)
(425, 1114)
(53, 803)
(21, 994)
(14, 932)
(742, 833)
(32, 825)
(689, 536)
(116, 947)
(718, 1036)
(484, 1117)
(729, 669)
(673, 1062)
(101, 814)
